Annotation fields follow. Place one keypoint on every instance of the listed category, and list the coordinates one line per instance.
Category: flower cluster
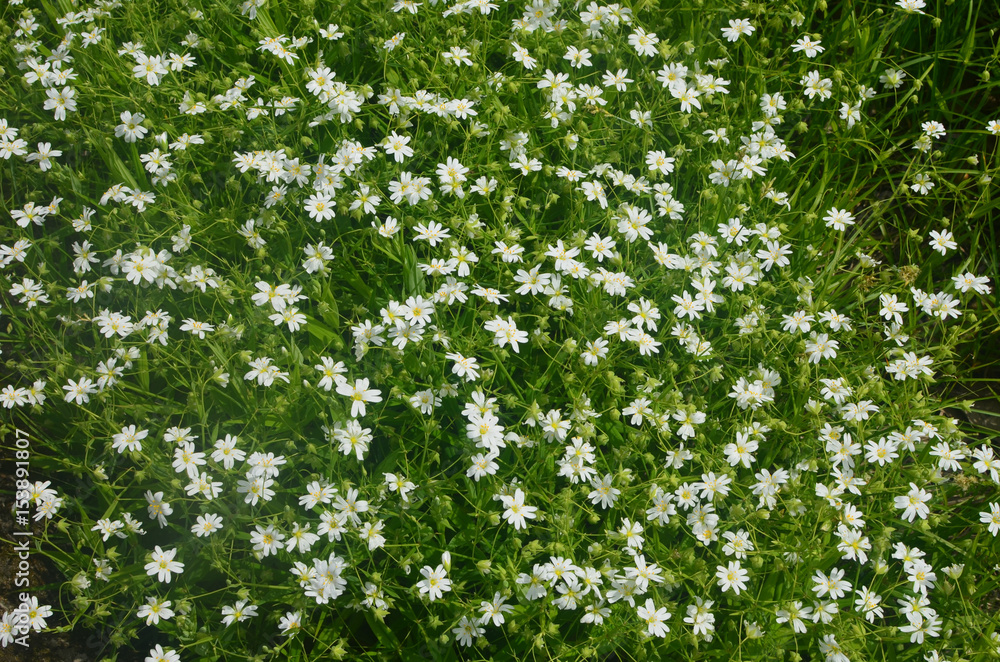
(596, 315)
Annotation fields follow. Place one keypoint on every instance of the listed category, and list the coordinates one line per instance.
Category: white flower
(603, 492)
(130, 438)
(435, 583)
(206, 525)
(238, 612)
(399, 484)
(320, 207)
(162, 564)
(467, 631)
(922, 183)
(892, 78)
(834, 584)
(482, 465)
(643, 42)
(398, 147)
(810, 47)
(154, 610)
(942, 241)
(838, 219)
(158, 654)
(914, 503)
(523, 56)
(150, 68)
(734, 577)
(516, 511)
(736, 28)
(359, 394)
(992, 518)
(655, 619)
(659, 161)
(290, 623)
(911, 6)
(465, 367)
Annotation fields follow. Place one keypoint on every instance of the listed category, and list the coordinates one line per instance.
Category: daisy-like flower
(159, 654)
(892, 308)
(359, 395)
(433, 233)
(60, 101)
(969, 281)
(834, 584)
(238, 612)
(157, 508)
(738, 27)
(400, 485)
(816, 86)
(130, 439)
(494, 610)
(911, 6)
(851, 113)
(467, 631)
(659, 161)
(266, 541)
(922, 183)
(732, 578)
(197, 328)
(482, 465)
(795, 614)
(394, 41)
(331, 370)
(79, 390)
(36, 613)
(992, 518)
(914, 503)
(619, 80)
(465, 367)
(353, 438)
(108, 528)
(523, 56)
(942, 242)
(821, 346)
(290, 623)
(162, 564)
(44, 156)
(838, 219)
(595, 351)
(331, 32)
(892, 78)
(643, 42)
(206, 525)
(226, 452)
(131, 128)
(603, 492)
(516, 511)
(655, 619)
(435, 582)
(808, 46)
(578, 58)
(398, 147)
(154, 610)
(150, 68)
(320, 207)
(457, 56)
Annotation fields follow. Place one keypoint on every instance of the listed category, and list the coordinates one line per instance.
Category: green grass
(949, 57)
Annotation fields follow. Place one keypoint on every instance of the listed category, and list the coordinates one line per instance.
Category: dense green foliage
(503, 330)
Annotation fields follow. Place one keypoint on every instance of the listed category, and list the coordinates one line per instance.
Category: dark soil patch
(44, 581)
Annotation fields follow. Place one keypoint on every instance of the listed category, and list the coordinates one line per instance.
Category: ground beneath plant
(45, 581)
